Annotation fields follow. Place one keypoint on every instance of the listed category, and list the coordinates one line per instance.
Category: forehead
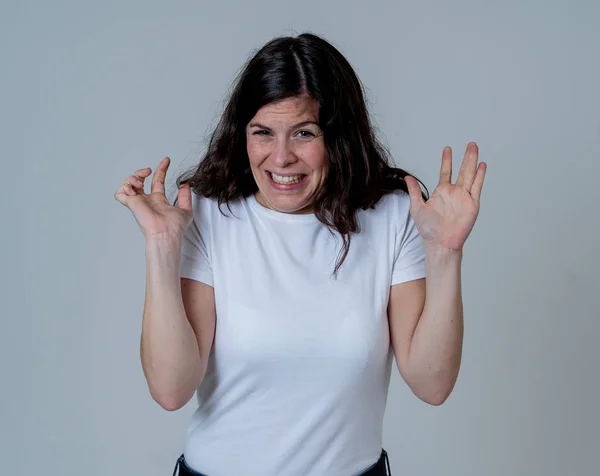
(294, 108)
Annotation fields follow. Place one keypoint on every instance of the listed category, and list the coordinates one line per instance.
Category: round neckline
(293, 217)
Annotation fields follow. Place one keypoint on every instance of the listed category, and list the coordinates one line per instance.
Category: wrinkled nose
(283, 154)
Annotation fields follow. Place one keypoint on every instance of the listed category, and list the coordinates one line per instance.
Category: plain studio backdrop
(91, 91)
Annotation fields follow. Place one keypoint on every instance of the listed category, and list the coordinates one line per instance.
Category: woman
(280, 289)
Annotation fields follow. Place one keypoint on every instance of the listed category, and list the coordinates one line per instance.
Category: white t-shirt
(299, 371)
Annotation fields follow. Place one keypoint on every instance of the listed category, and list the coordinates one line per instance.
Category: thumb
(414, 191)
(184, 197)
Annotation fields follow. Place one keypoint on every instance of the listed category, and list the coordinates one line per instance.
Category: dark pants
(381, 468)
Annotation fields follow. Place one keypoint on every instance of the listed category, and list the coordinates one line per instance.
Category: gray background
(90, 91)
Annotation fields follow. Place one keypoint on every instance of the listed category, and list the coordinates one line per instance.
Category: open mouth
(287, 179)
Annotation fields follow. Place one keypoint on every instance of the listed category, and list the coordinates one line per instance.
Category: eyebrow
(294, 126)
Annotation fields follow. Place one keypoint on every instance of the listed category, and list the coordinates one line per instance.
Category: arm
(426, 327)
(177, 328)
(426, 318)
(179, 314)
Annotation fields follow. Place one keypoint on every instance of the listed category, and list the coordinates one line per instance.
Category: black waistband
(381, 468)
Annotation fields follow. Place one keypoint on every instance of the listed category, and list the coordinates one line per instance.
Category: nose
(283, 153)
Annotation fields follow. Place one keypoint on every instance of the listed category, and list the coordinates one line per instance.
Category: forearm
(436, 347)
(169, 348)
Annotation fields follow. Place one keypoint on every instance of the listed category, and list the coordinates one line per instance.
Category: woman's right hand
(153, 213)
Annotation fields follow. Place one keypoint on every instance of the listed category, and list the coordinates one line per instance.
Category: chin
(287, 204)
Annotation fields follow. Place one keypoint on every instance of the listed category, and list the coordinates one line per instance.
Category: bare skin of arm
(178, 324)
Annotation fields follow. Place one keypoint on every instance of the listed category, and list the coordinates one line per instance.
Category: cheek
(316, 158)
(255, 153)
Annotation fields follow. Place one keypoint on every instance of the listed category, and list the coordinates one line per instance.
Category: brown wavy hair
(359, 167)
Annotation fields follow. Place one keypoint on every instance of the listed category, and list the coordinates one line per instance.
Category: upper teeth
(286, 179)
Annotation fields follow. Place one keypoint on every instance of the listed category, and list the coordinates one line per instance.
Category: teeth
(286, 180)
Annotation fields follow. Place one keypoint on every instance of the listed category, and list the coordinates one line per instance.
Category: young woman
(292, 269)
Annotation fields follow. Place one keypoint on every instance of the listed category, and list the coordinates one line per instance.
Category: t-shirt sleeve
(409, 255)
(195, 254)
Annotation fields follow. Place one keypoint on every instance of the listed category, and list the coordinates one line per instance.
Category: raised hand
(447, 218)
(153, 213)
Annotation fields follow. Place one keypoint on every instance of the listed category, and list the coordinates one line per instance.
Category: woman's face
(287, 154)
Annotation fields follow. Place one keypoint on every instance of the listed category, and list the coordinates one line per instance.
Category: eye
(261, 132)
(305, 134)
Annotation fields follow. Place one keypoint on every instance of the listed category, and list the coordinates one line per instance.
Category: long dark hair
(359, 167)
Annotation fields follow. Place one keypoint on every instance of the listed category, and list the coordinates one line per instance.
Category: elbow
(172, 394)
(171, 405)
(432, 387)
(435, 394)
(435, 399)
(433, 391)
(170, 401)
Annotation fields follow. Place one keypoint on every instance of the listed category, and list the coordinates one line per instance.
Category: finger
(143, 173)
(135, 182)
(478, 182)
(446, 168)
(123, 193)
(414, 191)
(129, 189)
(158, 180)
(468, 168)
(184, 197)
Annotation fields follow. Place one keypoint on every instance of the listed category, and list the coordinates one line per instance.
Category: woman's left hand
(447, 218)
